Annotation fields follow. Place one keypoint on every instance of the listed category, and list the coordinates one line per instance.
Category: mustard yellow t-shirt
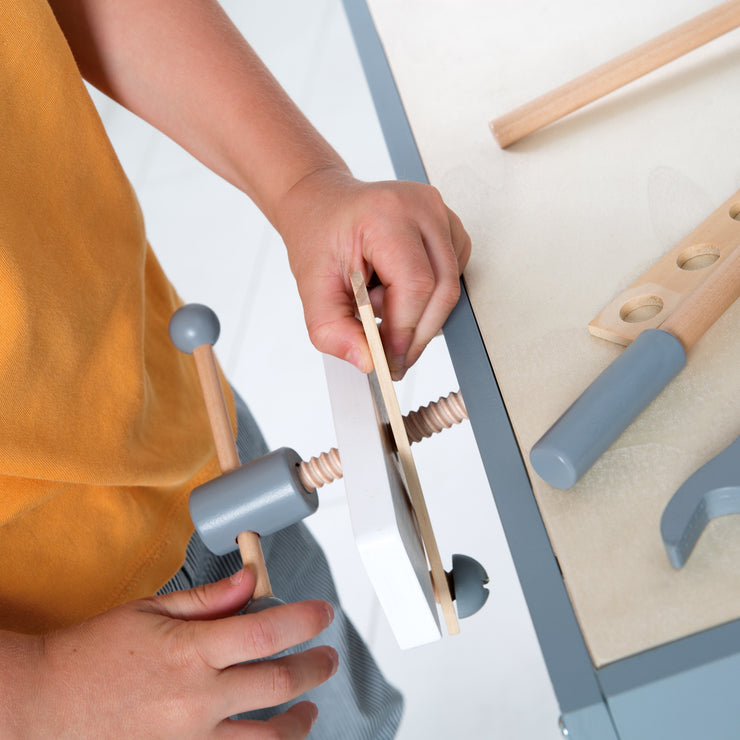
(103, 430)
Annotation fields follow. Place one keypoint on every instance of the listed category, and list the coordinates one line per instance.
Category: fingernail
(397, 367)
(237, 578)
(334, 661)
(314, 713)
(329, 613)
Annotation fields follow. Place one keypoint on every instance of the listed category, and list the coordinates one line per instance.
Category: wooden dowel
(612, 75)
(253, 559)
(691, 318)
(228, 458)
(218, 415)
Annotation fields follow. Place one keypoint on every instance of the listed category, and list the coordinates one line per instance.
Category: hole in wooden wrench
(735, 211)
(641, 308)
(697, 257)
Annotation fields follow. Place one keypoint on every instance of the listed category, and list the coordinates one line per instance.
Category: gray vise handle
(251, 501)
(712, 491)
(263, 496)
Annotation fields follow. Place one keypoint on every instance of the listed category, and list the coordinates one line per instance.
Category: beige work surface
(561, 223)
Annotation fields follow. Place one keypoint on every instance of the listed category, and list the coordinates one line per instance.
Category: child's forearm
(182, 66)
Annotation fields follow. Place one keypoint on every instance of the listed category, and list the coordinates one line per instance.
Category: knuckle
(450, 293)
(284, 680)
(261, 637)
(421, 283)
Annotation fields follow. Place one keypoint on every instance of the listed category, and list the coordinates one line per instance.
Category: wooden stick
(614, 74)
(218, 414)
(707, 303)
(228, 458)
(440, 584)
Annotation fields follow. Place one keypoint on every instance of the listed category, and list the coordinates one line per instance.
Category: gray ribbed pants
(356, 703)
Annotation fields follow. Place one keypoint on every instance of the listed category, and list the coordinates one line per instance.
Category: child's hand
(334, 225)
(168, 667)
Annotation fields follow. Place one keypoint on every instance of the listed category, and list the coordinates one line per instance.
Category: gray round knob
(264, 602)
(192, 326)
(469, 579)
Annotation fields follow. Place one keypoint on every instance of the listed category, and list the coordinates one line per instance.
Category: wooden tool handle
(612, 75)
(707, 303)
(228, 458)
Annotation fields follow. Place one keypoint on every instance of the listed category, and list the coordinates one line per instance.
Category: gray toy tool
(278, 489)
(712, 491)
(632, 381)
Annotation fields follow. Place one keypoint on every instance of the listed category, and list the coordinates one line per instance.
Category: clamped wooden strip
(403, 447)
(655, 295)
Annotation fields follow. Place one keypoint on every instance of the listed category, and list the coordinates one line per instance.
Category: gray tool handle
(712, 491)
(607, 407)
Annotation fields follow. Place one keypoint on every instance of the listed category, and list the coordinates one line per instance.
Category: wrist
(303, 197)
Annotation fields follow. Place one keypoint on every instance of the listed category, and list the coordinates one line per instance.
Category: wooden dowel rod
(691, 318)
(218, 415)
(557, 103)
(253, 559)
(228, 458)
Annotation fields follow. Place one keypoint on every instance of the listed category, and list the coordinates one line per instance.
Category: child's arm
(166, 667)
(182, 65)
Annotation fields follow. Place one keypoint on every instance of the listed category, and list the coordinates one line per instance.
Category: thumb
(210, 601)
(329, 309)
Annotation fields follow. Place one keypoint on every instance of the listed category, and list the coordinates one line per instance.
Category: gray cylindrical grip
(262, 496)
(607, 407)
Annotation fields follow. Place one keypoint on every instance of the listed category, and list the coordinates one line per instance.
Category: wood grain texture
(673, 278)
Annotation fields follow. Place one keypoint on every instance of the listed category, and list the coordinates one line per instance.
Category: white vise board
(382, 520)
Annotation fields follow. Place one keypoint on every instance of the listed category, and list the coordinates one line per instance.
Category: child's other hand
(169, 667)
(403, 232)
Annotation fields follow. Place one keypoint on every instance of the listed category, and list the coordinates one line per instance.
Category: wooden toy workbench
(561, 223)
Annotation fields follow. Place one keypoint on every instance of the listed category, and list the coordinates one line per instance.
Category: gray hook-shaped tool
(712, 491)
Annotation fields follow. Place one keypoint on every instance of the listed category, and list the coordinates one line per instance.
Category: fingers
(293, 724)
(404, 233)
(250, 686)
(421, 279)
(248, 637)
(211, 601)
(329, 308)
(447, 258)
